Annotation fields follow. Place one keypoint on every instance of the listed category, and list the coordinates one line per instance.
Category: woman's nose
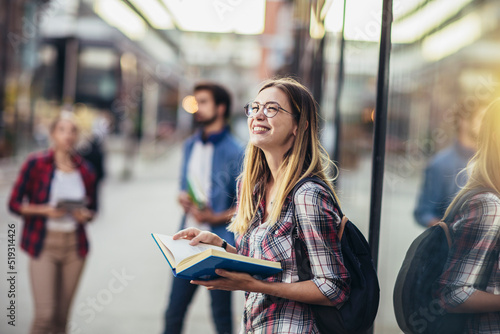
(260, 114)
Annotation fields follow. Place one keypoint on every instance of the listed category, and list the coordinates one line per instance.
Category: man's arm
(207, 215)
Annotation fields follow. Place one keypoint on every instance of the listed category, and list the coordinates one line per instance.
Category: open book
(200, 262)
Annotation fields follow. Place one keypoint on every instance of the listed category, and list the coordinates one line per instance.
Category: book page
(181, 248)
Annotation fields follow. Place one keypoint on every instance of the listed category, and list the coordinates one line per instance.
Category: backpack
(357, 314)
(415, 307)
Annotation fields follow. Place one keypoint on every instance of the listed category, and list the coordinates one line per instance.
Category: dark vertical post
(70, 67)
(5, 13)
(380, 130)
(318, 71)
(296, 51)
(338, 93)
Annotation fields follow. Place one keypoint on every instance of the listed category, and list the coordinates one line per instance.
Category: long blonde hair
(306, 157)
(484, 167)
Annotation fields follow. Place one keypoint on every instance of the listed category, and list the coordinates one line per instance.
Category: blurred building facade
(134, 60)
(62, 53)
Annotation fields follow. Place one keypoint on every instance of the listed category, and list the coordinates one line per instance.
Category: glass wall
(444, 61)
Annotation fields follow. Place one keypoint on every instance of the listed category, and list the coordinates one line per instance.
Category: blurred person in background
(92, 150)
(442, 180)
(470, 282)
(53, 236)
(211, 164)
(283, 148)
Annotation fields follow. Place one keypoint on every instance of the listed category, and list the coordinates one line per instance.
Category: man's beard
(205, 122)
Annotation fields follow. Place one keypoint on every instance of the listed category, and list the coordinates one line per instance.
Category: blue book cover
(200, 262)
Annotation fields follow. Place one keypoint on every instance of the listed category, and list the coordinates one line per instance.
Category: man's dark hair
(219, 93)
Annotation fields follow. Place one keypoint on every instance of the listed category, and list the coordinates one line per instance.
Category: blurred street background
(126, 68)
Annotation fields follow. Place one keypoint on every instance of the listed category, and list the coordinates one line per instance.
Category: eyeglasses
(270, 109)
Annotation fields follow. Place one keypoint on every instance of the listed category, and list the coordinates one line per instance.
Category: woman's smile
(260, 129)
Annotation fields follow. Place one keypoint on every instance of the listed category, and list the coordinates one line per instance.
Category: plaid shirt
(473, 261)
(34, 183)
(318, 223)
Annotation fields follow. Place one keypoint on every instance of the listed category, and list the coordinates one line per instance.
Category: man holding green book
(211, 164)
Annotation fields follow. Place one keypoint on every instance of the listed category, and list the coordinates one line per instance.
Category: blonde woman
(471, 281)
(283, 148)
(54, 238)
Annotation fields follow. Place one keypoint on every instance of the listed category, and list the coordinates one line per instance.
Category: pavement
(126, 281)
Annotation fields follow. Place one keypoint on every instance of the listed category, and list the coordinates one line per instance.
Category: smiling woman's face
(278, 132)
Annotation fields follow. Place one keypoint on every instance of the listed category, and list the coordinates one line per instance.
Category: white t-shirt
(199, 174)
(65, 186)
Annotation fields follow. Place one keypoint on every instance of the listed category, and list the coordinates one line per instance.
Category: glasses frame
(265, 110)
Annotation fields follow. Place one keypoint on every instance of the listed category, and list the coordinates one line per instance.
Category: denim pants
(180, 297)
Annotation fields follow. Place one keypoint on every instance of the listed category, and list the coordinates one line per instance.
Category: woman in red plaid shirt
(283, 148)
(53, 236)
(471, 281)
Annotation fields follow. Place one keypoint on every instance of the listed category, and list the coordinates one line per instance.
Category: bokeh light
(189, 104)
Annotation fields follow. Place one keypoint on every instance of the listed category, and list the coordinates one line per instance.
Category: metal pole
(318, 70)
(380, 130)
(338, 93)
(4, 54)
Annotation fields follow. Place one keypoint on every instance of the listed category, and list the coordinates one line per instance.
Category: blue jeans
(180, 297)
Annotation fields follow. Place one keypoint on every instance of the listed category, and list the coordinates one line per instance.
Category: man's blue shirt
(442, 182)
(226, 166)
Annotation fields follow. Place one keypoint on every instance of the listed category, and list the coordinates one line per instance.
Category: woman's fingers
(206, 238)
(210, 283)
(229, 280)
(201, 237)
(188, 233)
(215, 284)
(223, 273)
(196, 236)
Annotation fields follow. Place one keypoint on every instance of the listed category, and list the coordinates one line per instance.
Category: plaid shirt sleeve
(20, 186)
(318, 224)
(474, 252)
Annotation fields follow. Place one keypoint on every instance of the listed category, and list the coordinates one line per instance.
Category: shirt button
(276, 232)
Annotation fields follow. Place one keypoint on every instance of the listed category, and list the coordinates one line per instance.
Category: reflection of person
(283, 148)
(53, 237)
(212, 159)
(471, 280)
(442, 180)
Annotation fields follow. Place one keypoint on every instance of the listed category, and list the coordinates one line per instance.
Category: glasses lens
(248, 110)
(271, 109)
(251, 109)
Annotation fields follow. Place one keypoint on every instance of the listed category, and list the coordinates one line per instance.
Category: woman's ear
(296, 127)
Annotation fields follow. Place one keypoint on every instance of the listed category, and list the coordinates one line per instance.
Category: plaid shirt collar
(49, 158)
